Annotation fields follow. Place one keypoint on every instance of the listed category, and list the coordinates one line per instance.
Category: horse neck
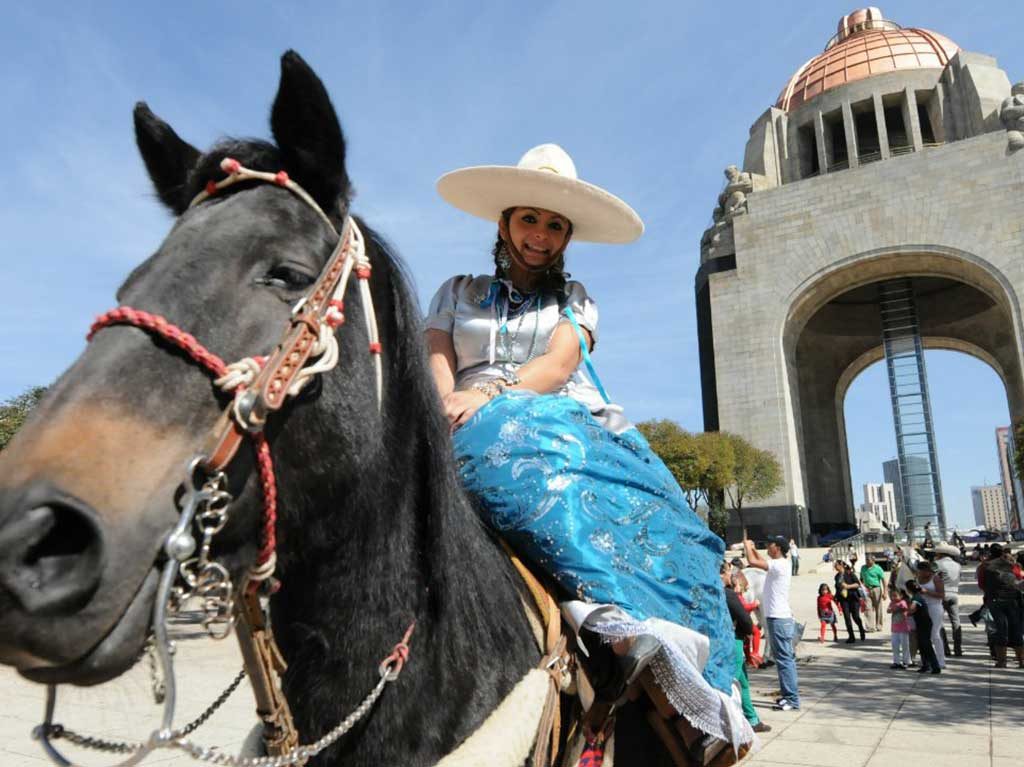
(414, 550)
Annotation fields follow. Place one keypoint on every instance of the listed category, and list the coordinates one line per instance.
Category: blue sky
(652, 99)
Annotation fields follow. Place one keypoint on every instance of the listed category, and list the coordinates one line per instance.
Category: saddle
(588, 740)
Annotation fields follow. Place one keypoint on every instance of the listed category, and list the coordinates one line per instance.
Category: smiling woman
(556, 468)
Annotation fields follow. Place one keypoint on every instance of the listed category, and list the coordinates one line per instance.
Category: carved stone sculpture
(732, 202)
(1011, 113)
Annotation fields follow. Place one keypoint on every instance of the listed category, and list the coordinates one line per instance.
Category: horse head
(87, 487)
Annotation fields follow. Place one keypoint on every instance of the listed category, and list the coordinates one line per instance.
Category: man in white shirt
(775, 601)
(948, 568)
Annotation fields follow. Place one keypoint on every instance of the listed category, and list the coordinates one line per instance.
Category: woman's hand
(459, 406)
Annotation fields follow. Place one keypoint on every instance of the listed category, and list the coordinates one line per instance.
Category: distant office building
(1007, 475)
(912, 482)
(891, 474)
(879, 508)
(989, 506)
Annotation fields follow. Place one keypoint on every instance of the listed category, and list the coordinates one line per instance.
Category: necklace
(510, 339)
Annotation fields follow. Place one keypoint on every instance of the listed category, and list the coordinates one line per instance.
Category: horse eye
(285, 276)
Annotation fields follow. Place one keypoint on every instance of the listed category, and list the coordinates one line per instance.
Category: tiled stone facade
(776, 367)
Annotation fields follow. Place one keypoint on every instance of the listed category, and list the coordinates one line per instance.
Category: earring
(504, 260)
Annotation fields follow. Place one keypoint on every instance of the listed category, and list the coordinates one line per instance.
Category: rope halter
(257, 388)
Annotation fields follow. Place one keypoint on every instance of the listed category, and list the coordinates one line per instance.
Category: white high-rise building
(989, 506)
(879, 508)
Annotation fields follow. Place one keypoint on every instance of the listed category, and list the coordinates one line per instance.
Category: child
(899, 609)
(752, 644)
(827, 609)
(922, 628)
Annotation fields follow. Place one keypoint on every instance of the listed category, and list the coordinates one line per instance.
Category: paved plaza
(856, 712)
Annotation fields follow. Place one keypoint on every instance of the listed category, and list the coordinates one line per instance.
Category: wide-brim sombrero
(544, 178)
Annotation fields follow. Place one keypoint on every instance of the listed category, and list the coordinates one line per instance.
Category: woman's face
(538, 235)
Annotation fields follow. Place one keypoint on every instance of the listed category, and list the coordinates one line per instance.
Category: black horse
(374, 529)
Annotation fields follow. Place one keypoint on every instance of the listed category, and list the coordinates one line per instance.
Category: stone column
(883, 131)
(819, 139)
(910, 118)
(852, 148)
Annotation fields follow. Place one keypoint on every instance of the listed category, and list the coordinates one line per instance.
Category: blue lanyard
(586, 355)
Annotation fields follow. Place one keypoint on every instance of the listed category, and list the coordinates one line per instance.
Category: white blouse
(489, 344)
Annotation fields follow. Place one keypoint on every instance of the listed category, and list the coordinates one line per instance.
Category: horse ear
(167, 156)
(308, 134)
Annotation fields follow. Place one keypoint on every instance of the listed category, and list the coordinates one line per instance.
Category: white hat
(544, 178)
(947, 549)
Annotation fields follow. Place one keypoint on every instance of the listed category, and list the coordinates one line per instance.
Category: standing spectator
(742, 626)
(794, 556)
(934, 593)
(848, 596)
(899, 608)
(752, 644)
(827, 609)
(948, 569)
(853, 561)
(1003, 597)
(873, 578)
(923, 629)
(779, 616)
(737, 565)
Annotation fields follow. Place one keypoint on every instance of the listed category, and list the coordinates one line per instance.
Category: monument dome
(865, 44)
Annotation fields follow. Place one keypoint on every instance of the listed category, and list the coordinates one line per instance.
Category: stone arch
(828, 328)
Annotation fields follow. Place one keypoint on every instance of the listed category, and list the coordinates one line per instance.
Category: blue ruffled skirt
(600, 513)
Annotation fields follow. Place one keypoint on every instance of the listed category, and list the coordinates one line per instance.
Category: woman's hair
(825, 587)
(739, 579)
(912, 587)
(552, 280)
(902, 593)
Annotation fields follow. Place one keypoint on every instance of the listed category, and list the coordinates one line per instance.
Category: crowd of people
(918, 599)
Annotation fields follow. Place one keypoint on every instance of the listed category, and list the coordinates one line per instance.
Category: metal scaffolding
(911, 410)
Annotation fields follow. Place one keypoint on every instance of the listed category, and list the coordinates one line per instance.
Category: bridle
(260, 386)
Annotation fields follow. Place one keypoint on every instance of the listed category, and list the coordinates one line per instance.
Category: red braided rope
(159, 326)
(268, 535)
(154, 323)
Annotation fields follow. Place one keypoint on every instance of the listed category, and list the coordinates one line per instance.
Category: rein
(260, 386)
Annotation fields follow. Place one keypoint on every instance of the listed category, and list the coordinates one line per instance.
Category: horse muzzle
(51, 552)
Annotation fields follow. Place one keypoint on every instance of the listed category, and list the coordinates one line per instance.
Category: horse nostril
(51, 557)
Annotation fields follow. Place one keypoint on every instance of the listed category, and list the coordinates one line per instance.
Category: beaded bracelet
(489, 389)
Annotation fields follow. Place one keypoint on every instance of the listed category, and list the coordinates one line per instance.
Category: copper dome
(865, 45)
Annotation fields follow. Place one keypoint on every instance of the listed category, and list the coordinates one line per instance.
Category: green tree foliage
(756, 474)
(14, 411)
(701, 463)
(678, 449)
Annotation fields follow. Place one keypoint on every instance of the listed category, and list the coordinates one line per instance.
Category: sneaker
(767, 664)
(922, 670)
(785, 705)
(851, 640)
(903, 666)
(936, 670)
(762, 727)
(895, 666)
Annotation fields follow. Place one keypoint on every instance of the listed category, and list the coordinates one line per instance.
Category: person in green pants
(743, 627)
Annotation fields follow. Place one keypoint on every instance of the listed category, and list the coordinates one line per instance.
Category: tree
(701, 463)
(718, 466)
(679, 451)
(14, 411)
(756, 475)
